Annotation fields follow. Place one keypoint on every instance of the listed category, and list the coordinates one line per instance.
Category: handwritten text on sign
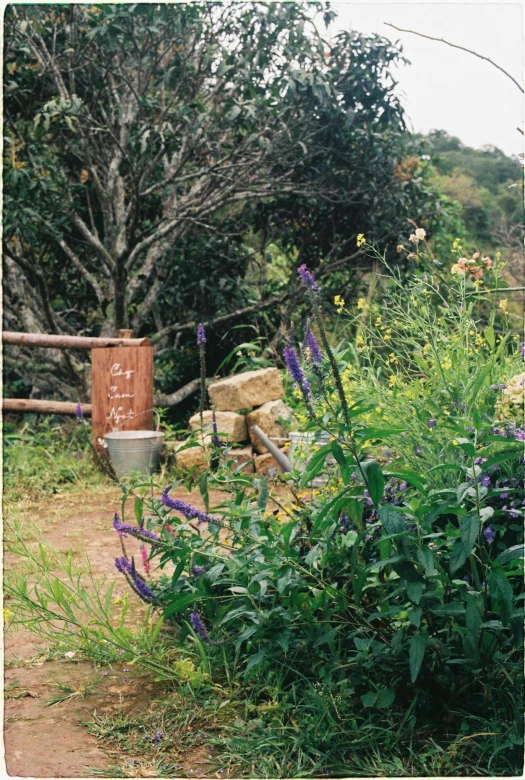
(122, 391)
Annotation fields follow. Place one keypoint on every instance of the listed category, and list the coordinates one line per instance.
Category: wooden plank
(41, 406)
(68, 342)
(121, 390)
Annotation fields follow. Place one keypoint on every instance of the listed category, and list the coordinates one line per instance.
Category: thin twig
(463, 48)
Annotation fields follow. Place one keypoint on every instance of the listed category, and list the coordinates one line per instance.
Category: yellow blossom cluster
(340, 303)
(360, 239)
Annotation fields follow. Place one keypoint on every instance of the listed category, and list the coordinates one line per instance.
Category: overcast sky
(445, 88)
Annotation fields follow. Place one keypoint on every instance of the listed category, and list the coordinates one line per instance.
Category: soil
(50, 741)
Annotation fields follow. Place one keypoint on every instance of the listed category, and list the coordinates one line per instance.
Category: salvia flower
(141, 533)
(145, 561)
(198, 626)
(485, 480)
(293, 364)
(189, 512)
(78, 412)
(490, 534)
(345, 522)
(307, 278)
(315, 352)
(432, 423)
(135, 581)
(197, 571)
(498, 386)
(201, 335)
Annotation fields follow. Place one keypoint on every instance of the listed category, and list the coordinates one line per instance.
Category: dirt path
(44, 741)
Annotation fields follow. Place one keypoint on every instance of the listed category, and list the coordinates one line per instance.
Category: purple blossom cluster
(197, 571)
(315, 351)
(198, 626)
(140, 533)
(293, 364)
(307, 278)
(201, 335)
(79, 412)
(509, 430)
(189, 512)
(134, 580)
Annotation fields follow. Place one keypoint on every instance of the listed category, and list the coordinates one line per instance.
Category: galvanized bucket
(134, 451)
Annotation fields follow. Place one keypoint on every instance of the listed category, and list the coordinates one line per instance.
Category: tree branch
(462, 48)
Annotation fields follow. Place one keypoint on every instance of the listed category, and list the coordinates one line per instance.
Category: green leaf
(416, 653)
(469, 530)
(138, 507)
(180, 602)
(316, 464)
(374, 477)
(473, 617)
(426, 559)
(391, 519)
(414, 615)
(339, 455)
(503, 590)
(385, 698)
(369, 699)
(490, 336)
(415, 591)
(510, 553)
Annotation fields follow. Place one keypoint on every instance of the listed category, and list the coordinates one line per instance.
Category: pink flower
(147, 564)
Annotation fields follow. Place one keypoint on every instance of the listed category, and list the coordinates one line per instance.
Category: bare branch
(462, 48)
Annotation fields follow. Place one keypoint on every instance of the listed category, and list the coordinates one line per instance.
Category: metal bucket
(134, 451)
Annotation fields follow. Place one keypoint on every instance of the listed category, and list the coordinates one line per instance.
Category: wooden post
(121, 390)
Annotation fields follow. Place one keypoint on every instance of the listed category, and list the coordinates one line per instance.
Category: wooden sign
(121, 390)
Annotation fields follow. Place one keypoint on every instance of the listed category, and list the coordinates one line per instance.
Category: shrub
(399, 584)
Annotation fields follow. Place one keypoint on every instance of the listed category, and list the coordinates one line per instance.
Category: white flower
(420, 234)
(69, 654)
(102, 443)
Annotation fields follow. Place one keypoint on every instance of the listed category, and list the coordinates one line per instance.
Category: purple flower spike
(485, 480)
(296, 372)
(185, 509)
(197, 571)
(490, 534)
(432, 423)
(137, 583)
(78, 411)
(313, 346)
(140, 533)
(198, 626)
(201, 335)
(307, 278)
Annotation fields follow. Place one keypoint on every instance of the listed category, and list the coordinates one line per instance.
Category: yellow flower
(361, 239)
(7, 615)
(447, 363)
(392, 379)
(361, 303)
(388, 334)
(379, 410)
(503, 304)
(339, 302)
(426, 348)
(378, 321)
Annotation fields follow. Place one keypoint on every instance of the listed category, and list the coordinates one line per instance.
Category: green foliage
(45, 457)
(168, 150)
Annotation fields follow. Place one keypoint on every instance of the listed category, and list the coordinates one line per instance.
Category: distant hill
(486, 183)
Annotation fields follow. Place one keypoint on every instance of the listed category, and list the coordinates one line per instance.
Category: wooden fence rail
(41, 406)
(69, 342)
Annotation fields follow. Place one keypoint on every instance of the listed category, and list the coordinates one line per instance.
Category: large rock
(267, 418)
(187, 459)
(267, 466)
(230, 426)
(243, 391)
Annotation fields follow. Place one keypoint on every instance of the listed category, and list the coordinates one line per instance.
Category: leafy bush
(398, 586)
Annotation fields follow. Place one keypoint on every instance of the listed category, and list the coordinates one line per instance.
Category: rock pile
(258, 395)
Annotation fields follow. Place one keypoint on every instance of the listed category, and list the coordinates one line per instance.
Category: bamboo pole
(41, 406)
(69, 342)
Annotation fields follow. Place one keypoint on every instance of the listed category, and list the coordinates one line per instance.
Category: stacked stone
(259, 391)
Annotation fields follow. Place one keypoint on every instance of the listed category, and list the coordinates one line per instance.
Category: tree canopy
(154, 154)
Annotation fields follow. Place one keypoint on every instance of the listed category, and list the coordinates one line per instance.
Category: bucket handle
(145, 412)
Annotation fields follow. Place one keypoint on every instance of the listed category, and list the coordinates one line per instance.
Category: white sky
(444, 88)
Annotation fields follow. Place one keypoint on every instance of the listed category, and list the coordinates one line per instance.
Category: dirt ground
(49, 741)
